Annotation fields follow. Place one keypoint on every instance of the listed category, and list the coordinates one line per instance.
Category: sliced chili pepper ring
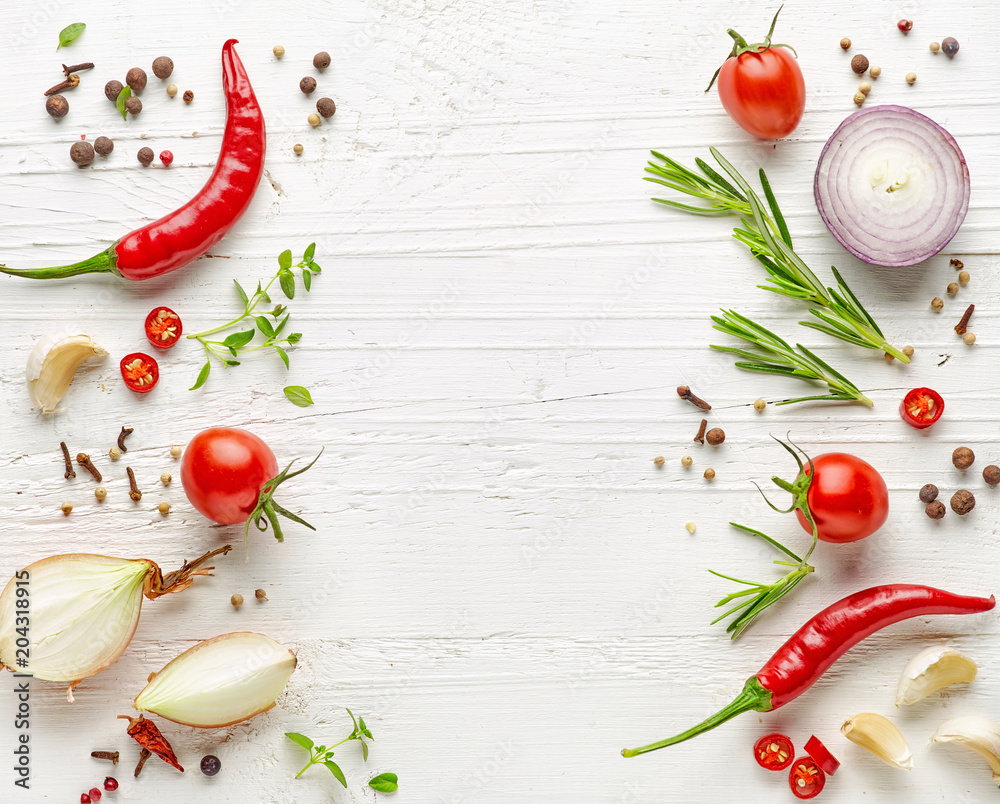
(774, 752)
(140, 372)
(806, 778)
(163, 327)
(827, 761)
(921, 407)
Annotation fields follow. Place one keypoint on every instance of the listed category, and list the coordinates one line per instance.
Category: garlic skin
(978, 734)
(876, 734)
(932, 669)
(220, 681)
(52, 364)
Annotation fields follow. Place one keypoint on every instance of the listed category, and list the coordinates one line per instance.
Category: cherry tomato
(921, 407)
(848, 499)
(223, 471)
(163, 327)
(774, 752)
(819, 752)
(140, 372)
(806, 778)
(764, 92)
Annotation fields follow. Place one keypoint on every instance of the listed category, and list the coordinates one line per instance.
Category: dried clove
(963, 326)
(83, 459)
(143, 756)
(125, 433)
(76, 68)
(700, 436)
(134, 492)
(684, 392)
(111, 756)
(958, 265)
(69, 463)
(70, 82)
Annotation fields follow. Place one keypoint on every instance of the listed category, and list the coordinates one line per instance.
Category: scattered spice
(95, 795)
(136, 79)
(165, 478)
(690, 526)
(143, 756)
(659, 460)
(83, 459)
(236, 600)
(687, 461)
(958, 265)
(911, 78)
(210, 765)
(326, 107)
(962, 501)
(298, 149)
(928, 493)
(163, 66)
(100, 492)
(759, 404)
(950, 46)
(991, 474)
(952, 288)
(889, 357)
(963, 325)
(935, 510)
(167, 158)
(937, 303)
(307, 85)
(70, 82)
(114, 453)
(314, 119)
(57, 106)
(859, 64)
(964, 277)
(133, 106)
(112, 89)
(111, 756)
(969, 338)
(908, 351)
(260, 594)
(176, 451)
(859, 98)
(77, 68)
(163, 508)
(172, 90)
(146, 733)
(321, 60)
(278, 51)
(715, 436)
(874, 72)
(963, 458)
(845, 43)
(134, 492)
(700, 435)
(905, 26)
(69, 462)
(188, 96)
(66, 508)
(935, 47)
(81, 152)
(145, 156)
(125, 433)
(110, 783)
(684, 392)
(104, 145)
(709, 474)
(864, 87)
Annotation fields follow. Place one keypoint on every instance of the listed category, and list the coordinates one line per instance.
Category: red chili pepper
(140, 372)
(146, 733)
(187, 233)
(774, 752)
(810, 651)
(806, 778)
(921, 407)
(827, 761)
(163, 327)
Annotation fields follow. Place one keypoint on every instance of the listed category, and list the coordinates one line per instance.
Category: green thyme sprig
(270, 325)
(840, 313)
(322, 755)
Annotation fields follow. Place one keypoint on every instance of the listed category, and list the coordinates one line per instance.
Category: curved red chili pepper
(187, 233)
(810, 651)
(147, 734)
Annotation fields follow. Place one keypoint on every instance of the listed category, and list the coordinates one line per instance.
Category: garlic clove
(53, 362)
(220, 681)
(932, 669)
(876, 734)
(978, 734)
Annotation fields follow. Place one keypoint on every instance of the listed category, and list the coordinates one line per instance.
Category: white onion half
(892, 186)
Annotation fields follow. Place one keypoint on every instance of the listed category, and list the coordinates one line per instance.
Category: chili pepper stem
(753, 698)
(103, 263)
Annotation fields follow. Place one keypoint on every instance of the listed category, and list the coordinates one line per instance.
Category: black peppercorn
(81, 152)
(935, 510)
(163, 67)
(136, 78)
(103, 146)
(307, 85)
(928, 493)
(112, 90)
(962, 502)
(859, 64)
(188, 96)
(715, 436)
(949, 46)
(991, 474)
(322, 59)
(963, 458)
(133, 105)
(210, 765)
(145, 156)
(57, 106)
(326, 107)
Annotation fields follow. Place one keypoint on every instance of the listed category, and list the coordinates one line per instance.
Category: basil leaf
(282, 354)
(310, 251)
(300, 739)
(202, 376)
(285, 260)
(239, 339)
(264, 326)
(287, 279)
(123, 96)
(298, 395)
(336, 771)
(243, 294)
(384, 783)
(70, 33)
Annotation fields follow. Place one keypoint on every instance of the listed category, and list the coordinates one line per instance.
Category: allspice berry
(133, 106)
(326, 107)
(145, 156)
(81, 152)
(845, 43)
(715, 436)
(103, 145)
(278, 51)
(937, 303)
(935, 510)
(962, 502)
(136, 79)
(56, 106)
(963, 458)
(163, 67)
(709, 474)
(308, 85)
(928, 493)
(991, 474)
(952, 288)
(236, 600)
(321, 60)
(260, 594)
(112, 90)
(859, 64)
(188, 96)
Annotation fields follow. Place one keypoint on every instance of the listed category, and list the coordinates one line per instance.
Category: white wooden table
(501, 581)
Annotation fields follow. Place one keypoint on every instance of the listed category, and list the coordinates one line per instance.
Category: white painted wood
(501, 582)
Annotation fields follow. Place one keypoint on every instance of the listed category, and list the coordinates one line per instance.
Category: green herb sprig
(70, 33)
(322, 755)
(270, 325)
(840, 313)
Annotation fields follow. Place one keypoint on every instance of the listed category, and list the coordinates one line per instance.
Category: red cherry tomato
(774, 752)
(921, 407)
(140, 372)
(806, 778)
(223, 471)
(819, 752)
(848, 499)
(764, 92)
(163, 327)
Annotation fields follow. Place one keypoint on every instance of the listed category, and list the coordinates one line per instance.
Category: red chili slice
(806, 778)
(163, 327)
(774, 752)
(140, 372)
(827, 761)
(921, 407)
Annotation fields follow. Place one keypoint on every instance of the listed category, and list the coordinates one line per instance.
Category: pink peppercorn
(166, 158)
(95, 795)
(110, 783)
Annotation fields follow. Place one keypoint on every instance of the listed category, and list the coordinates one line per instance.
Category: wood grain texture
(500, 582)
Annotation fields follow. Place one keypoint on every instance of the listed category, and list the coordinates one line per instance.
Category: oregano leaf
(384, 783)
(282, 354)
(294, 338)
(309, 252)
(123, 96)
(202, 376)
(298, 395)
(285, 260)
(307, 280)
(300, 739)
(70, 33)
(364, 750)
(336, 771)
(287, 280)
(315, 268)
(239, 339)
(243, 294)
(264, 326)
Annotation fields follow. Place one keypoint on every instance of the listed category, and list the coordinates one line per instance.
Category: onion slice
(892, 186)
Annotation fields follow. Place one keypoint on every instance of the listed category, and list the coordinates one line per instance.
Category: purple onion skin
(949, 149)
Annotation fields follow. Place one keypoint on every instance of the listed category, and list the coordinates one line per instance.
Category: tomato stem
(740, 46)
(267, 510)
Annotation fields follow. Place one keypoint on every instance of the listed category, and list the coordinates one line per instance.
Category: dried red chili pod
(163, 327)
(827, 761)
(147, 734)
(140, 372)
(774, 752)
(806, 778)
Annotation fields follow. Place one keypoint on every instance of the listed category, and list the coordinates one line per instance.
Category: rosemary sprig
(776, 356)
(765, 233)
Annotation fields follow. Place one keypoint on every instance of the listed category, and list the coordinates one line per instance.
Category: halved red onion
(892, 186)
